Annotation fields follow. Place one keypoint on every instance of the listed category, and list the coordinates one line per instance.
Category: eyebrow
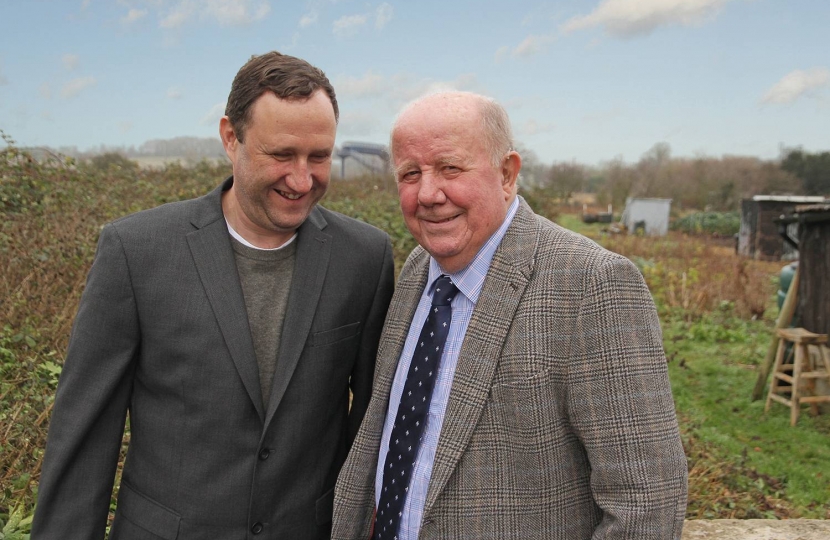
(401, 168)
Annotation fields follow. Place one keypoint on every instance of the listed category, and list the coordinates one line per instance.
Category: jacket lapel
(506, 280)
(408, 291)
(313, 251)
(210, 246)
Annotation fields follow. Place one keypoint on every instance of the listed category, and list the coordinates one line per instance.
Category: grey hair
(496, 130)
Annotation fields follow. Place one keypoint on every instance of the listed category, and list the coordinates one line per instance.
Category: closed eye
(319, 158)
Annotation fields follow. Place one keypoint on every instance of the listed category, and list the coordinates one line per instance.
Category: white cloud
(629, 18)
(76, 86)
(360, 123)
(70, 61)
(348, 25)
(308, 19)
(383, 15)
(796, 84)
(45, 91)
(530, 46)
(212, 117)
(133, 15)
(385, 96)
(405, 87)
(178, 15)
(370, 84)
(174, 92)
(85, 4)
(224, 12)
(236, 12)
(532, 127)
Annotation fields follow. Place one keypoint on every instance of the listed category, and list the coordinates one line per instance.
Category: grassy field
(716, 310)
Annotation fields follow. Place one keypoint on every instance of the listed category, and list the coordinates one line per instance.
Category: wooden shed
(759, 237)
(814, 266)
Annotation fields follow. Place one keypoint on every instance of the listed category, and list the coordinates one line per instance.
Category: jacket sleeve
(87, 423)
(364, 370)
(621, 406)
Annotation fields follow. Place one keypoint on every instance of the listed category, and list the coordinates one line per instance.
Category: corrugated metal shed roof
(803, 199)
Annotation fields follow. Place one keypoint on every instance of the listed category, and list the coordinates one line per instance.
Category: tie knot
(444, 291)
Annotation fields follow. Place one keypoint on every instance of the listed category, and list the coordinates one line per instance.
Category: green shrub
(722, 224)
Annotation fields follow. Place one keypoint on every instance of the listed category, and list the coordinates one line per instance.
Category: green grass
(712, 381)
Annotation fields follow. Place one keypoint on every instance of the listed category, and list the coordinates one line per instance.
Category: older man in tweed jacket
(557, 420)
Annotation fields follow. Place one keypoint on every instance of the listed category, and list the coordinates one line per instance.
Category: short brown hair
(286, 76)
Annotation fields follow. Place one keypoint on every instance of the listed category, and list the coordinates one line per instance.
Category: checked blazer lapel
(509, 273)
(313, 251)
(210, 246)
(354, 479)
(402, 308)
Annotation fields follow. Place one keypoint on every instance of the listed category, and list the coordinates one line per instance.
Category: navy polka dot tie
(408, 429)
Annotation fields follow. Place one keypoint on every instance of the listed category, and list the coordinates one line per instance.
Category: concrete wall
(756, 529)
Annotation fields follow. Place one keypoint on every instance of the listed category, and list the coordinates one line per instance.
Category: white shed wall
(655, 212)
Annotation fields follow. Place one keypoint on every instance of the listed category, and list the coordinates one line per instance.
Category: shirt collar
(470, 279)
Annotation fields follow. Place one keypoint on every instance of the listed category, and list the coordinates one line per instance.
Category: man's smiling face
(452, 197)
(282, 168)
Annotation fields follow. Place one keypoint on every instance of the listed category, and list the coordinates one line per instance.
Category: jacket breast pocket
(519, 390)
(145, 513)
(526, 411)
(335, 335)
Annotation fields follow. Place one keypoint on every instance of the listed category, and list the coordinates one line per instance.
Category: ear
(510, 167)
(228, 136)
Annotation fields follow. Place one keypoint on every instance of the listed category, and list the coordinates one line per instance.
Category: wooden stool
(803, 369)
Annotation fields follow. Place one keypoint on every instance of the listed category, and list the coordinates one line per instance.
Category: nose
(300, 179)
(429, 190)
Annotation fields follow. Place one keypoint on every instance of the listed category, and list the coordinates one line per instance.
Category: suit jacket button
(257, 528)
(264, 453)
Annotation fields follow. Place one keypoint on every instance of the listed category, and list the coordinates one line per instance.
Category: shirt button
(264, 453)
(257, 528)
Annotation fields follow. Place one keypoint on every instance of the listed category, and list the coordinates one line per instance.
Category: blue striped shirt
(469, 282)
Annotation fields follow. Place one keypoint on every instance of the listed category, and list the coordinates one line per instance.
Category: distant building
(759, 237)
(651, 216)
(361, 158)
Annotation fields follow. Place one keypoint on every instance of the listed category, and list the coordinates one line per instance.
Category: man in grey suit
(232, 328)
(550, 414)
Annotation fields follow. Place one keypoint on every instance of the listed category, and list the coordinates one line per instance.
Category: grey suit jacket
(162, 332)
(560, 422)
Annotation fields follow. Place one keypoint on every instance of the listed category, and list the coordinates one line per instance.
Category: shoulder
(562, 257)
(169, 220)
(561, 246)
(351, 229)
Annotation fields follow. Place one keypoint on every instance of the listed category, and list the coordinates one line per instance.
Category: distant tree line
(701, 183)
(193, 148)
(716, 184)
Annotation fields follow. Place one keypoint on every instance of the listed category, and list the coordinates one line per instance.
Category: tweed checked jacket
(560, 422)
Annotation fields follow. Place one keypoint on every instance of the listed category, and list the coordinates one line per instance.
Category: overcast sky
(584, 80)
